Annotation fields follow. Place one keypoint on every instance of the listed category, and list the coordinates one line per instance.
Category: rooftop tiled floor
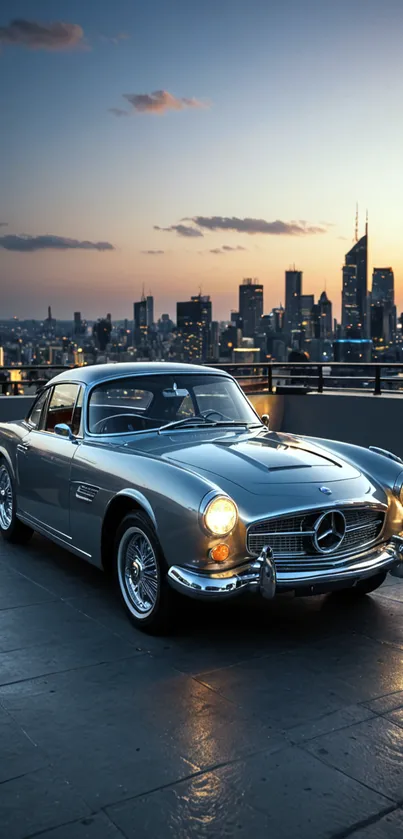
(280, 719)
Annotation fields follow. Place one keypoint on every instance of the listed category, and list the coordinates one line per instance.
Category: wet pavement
(280, 719)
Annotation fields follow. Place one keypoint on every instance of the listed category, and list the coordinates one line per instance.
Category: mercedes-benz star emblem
(329, 531)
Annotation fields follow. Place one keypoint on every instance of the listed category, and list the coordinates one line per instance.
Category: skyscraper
(139, 322)
(326, 321)
(293, 292)
(150, 310)
(383, 309)
(193, 319)
(306, 306)
(355, 286)
(77, 323)
(250, 306)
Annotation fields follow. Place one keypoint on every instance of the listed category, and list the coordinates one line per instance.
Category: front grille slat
(291, 536)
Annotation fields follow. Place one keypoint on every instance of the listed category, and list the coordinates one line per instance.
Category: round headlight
(220, 515)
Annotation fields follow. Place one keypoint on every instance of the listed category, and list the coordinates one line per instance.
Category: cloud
(115, 39)
(227, 249)
(27, 244)
(181, 230)
(41, 36)
(153, 253)
(255, 226)
(118, 112)
(3, 223)
(157, 102)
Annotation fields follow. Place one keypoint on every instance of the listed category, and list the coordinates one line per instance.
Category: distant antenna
(366, 224)
(356, 224)
(143, 297)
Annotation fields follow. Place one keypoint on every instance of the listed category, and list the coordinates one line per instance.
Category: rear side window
(62, 406)
(37, 410)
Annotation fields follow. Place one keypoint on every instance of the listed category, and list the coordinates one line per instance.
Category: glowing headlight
(220, 516)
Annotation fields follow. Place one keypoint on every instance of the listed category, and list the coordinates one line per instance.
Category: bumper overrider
(260, 575)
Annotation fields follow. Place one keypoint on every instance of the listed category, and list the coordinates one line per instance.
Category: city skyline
(189, 155)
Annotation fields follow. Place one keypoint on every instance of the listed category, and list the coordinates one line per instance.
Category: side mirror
(64, 430)
(266, 420)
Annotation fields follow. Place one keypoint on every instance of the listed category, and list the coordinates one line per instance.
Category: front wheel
(11, 529)
(141, 575)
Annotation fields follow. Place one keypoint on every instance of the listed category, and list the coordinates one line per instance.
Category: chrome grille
(291, 536)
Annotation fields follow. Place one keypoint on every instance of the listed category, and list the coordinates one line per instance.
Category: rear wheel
(141, 575)
(12, 529)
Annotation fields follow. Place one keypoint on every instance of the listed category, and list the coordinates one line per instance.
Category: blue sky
(300, 117)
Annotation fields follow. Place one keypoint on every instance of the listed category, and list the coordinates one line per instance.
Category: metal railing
(271, 377)
(13, 380)
(305, 376)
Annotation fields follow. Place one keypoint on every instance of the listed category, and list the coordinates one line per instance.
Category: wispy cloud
(158, 102)
(27, 244)
(227, 249)
(115, 39)
(256, 226)
(153, 253)
(118, 112)
(3, 223)
(182, 230)
(41, 36)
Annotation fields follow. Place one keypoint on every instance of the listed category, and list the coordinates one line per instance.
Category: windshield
(140, 403)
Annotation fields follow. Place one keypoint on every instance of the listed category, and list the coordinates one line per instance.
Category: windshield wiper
(200, 421)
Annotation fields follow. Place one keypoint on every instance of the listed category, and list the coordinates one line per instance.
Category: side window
(77, 413)
(35, 416)
(61, 406)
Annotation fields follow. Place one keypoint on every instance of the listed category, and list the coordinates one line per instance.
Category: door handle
(23, 447)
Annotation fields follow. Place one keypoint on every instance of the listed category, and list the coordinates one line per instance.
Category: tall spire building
(355, 288)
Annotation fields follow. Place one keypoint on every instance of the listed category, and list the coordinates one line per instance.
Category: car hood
(257, 462)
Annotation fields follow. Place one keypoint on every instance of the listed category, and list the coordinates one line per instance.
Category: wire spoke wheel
(138, 572)
(6, 499)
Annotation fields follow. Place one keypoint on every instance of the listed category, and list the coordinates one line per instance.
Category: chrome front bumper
(260, 575)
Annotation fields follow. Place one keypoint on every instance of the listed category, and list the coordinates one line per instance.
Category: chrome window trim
(81, 387)
(45, 389)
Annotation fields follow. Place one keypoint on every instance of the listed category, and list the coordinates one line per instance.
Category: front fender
(376, 466)
(141, 499)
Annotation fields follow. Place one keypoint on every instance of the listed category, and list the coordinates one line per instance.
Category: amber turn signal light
(220, 553)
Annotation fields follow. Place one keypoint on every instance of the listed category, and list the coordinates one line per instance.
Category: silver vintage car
(165, 475)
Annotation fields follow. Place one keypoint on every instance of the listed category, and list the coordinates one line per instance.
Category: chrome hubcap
(6, 499)
(138, 572)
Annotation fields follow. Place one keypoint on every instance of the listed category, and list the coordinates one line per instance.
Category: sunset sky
(245, 131)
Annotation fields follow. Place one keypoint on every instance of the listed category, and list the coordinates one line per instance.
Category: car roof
(95, 373)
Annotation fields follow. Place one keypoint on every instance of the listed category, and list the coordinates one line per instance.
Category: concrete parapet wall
(365, 420)
(14, 407)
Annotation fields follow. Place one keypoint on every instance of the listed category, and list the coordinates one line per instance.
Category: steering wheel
(102, 423)
(218, 414)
